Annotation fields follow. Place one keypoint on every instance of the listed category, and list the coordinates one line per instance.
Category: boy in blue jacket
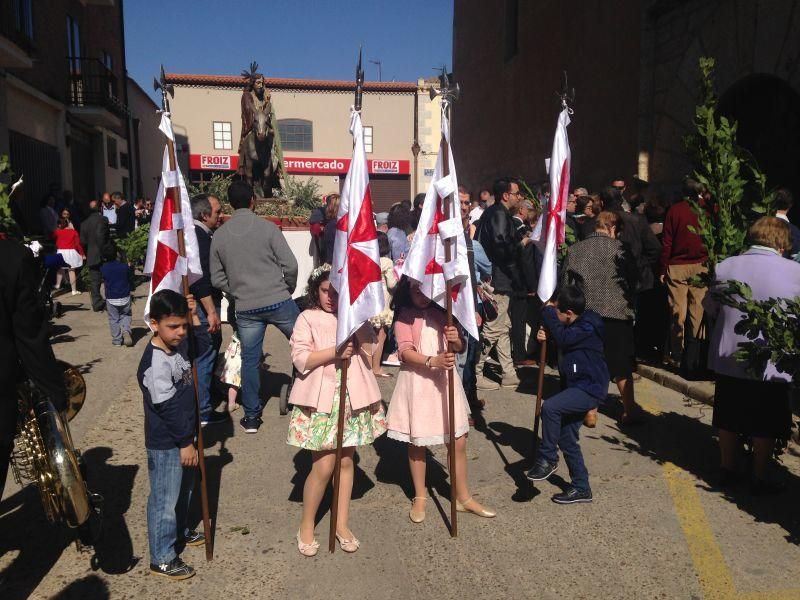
(579, 336)
(170, 423)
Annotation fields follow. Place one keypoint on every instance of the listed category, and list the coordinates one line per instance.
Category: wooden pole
(337, 468)
(201, 460)
(539, 393)
(451, 442)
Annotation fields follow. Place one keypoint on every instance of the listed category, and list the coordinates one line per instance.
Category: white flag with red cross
(549, 232)
(355, 268)
(426, 260)
(163, 263)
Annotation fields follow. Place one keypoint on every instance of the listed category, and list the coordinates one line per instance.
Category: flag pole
(539, 398)
(566, 96)
(449, 94)
(173, 190)
(337, 467)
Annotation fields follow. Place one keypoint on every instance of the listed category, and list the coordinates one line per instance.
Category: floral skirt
(316, 431)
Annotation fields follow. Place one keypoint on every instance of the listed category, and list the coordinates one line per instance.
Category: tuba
(44, 455)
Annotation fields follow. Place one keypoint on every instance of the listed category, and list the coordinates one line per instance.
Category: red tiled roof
(277, 83)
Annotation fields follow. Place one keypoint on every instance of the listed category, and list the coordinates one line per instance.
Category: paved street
(656, 528)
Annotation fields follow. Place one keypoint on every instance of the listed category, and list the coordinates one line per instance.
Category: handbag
(490, 309)
(694, 362)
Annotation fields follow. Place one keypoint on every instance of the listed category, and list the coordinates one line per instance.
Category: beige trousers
(497, 334)
(683, 298)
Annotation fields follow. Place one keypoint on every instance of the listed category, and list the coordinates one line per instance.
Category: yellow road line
(712, 572)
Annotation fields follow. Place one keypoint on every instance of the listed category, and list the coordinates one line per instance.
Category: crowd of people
(627, 292)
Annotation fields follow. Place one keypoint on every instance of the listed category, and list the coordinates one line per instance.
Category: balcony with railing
(94, 93)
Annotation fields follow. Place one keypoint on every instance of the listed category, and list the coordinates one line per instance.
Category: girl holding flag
(418, 411)
(315, 396)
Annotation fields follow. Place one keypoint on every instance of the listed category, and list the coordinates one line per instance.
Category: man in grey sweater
(252, 262)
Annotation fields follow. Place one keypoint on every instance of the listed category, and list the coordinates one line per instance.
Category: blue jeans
(562, 417)
(119, 321)
(252, 326)
(168, 503)
(205, 362)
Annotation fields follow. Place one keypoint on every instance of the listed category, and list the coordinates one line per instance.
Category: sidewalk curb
(701, 391)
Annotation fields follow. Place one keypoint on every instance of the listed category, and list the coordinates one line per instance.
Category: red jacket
(68, 239)
(679, 246)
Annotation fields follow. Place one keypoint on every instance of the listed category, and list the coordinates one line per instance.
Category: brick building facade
(635, 69)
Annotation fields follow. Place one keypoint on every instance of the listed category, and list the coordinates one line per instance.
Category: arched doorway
(768, 112)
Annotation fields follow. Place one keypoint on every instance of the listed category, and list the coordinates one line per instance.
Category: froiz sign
(385, 166)
(339, 166)
(218, 161)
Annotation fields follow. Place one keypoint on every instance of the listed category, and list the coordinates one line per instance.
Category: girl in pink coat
(418, 411)
(315, 396)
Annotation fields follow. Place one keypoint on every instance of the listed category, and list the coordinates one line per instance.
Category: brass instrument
(44, 454)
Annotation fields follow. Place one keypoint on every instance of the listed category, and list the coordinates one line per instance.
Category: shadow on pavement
(114, 551)
(215, 463)
(38, 543)
(690, 444)
(138, 333)
(302, 464)
(86, 588)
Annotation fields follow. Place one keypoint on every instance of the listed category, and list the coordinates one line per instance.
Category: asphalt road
(656, 529)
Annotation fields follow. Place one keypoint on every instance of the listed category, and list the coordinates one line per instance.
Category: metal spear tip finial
(447, 90)
(566, 95)
(161, 85)
(359, 81)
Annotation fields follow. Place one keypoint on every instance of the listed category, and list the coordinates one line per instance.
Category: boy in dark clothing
(578, 333)
(117, 281)
(165, 378)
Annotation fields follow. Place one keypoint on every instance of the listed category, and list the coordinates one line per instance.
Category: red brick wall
(504, 122)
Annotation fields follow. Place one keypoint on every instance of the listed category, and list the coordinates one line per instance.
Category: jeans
(206, 362)
(465, 366)
(252, 327)
(168, 503)
(562, 417)
(95, 279)
(119, 321)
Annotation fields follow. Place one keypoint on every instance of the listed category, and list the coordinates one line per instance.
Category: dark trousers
(8, 428)
(95, 279)
(562, 417)
(518, 313)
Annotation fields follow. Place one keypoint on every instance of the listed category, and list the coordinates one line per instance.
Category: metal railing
(91, 83)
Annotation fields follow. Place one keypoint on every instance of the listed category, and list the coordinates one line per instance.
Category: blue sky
(314, 39)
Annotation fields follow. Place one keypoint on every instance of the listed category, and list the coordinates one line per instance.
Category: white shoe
(76, 293)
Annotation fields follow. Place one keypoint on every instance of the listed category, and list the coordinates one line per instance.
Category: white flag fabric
(355, 268)
(425, 262)
(163, 263)
(549, 231)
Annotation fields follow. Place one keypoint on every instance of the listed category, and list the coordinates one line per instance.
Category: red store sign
(302, 165)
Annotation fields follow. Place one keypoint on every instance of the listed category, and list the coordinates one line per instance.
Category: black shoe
(176, 569)
(573, 495)
(195, 538)
(250, 424)
(214, 418)
(542, 470)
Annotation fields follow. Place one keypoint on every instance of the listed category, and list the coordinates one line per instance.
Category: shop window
(368, 139)
(296, 134)
(123, 160)
(222, 135)
(111, 151)
(23, 17)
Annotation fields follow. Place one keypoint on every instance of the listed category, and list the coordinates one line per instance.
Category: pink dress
(418, 412)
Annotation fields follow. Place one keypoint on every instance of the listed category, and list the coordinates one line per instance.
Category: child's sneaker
(542, 470)
(127, 339)
(573, 495)
(176, 569)
(194, 538)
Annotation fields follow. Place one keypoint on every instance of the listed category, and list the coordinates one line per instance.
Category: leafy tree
(7, 222)
(737, 188)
